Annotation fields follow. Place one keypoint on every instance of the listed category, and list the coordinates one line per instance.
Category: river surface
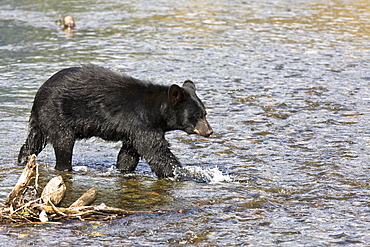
(287, 89)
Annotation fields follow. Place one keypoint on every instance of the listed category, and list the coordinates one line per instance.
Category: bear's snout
(203, 128)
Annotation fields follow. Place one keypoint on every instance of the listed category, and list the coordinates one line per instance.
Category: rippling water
(287, 87)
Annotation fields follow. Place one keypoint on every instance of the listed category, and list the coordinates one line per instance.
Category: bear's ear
(189, 84)
(175, 94)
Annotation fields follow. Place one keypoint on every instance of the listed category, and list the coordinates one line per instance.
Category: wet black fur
(81, 102)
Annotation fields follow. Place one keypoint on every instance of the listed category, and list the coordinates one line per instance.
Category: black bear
(81, 102)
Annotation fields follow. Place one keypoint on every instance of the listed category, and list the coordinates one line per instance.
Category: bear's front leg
(128, 158)
(154, 149)
(163, 163)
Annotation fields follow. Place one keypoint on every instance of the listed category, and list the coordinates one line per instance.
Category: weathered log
(86, 199)
(51, 210)
(15, 198)
(54, 191)
(96, 210)
(102, 208)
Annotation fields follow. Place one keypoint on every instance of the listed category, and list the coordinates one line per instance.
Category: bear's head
(188, 111)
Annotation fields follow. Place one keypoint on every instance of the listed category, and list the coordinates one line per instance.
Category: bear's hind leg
(128, 158)
(63, 153)
(34, 144)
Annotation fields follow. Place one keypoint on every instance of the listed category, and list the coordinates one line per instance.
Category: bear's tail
(35, 143)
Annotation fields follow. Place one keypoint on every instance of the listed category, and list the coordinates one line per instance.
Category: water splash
(101, 171)
(81, 169)
(202, 175)
(193, 173)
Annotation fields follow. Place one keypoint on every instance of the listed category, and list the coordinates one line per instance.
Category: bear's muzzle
(203, 128)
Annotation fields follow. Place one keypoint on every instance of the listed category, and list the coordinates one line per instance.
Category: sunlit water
(287, 89)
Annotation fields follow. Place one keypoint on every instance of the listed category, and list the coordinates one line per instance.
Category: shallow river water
(287, 88)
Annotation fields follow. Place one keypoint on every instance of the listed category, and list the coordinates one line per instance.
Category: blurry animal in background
(67, 22)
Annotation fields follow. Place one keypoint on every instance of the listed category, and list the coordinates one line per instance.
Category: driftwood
(86, 199)
(44, 209)
(15, 198)
(54, 191)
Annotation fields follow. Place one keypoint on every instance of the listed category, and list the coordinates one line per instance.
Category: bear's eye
(199, 116)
